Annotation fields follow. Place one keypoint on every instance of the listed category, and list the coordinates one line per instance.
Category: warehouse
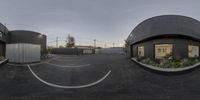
(166, 36)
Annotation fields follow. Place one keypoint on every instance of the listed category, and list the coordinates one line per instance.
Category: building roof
(3, 29)
(23, 36)
(165, 25)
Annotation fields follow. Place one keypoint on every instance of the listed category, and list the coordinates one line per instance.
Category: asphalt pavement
(94, 77)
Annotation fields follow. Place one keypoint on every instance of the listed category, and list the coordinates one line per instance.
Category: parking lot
(94, 77)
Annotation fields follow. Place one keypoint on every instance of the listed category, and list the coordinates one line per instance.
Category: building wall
(23, 52)
(3, 39)
(180, 47)
(2, 49)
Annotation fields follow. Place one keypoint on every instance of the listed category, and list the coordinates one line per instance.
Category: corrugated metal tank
(23, 52)
(25, 46)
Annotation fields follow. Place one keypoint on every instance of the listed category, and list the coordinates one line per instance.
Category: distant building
(167, 36)
(84, 47)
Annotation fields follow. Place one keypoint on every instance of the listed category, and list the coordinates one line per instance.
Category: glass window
(163, 51)
(193, 51)
(141, 51)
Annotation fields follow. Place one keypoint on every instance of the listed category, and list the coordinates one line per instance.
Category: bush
(175, 64)
(1, 58)
(149, 62)
(189, 61)
(165, 63)
(140, 58)
(169, 63)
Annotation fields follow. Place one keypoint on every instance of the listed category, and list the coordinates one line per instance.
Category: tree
(70, 42)
(49, 50)
(127, 43)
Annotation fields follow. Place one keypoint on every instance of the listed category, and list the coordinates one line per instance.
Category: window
(141, 51)
(163, 51)
(193, 51)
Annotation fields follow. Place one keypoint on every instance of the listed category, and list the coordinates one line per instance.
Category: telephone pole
(105, 45)
(56, 42)
(94, 43)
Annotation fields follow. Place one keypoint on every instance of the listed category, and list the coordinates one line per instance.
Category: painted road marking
(47, 62)
(66, 59)
(68, 87)
(71, 66)
(24, 64)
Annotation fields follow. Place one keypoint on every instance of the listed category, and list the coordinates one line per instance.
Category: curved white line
(66, 60)
(68, 87)
(67, 65)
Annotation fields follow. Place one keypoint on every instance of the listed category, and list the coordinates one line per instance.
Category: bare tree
(70, 42)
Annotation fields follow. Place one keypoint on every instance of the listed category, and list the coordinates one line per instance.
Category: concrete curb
(3, 62)
(173, 70)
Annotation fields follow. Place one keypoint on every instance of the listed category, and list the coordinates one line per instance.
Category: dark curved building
(167, 36)
(3, 39)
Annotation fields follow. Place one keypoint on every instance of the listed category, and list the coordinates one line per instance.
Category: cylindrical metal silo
(25, 46)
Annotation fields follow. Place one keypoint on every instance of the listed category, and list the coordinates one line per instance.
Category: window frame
(162, 44)
(143, 51)
(188, 50)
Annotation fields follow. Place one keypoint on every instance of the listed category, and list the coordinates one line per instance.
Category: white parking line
(70, 66)
(68, 87)
(66, 59)
(24, 64)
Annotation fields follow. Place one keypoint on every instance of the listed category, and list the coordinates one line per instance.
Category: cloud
(105, 20)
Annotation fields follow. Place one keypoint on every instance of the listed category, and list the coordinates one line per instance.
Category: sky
(107, 21)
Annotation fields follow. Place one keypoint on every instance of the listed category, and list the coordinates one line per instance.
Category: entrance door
(2, 49)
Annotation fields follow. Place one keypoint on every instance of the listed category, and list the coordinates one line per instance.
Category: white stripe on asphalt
(68, 87)
(68, 65)
(24, 64)
(66, 60)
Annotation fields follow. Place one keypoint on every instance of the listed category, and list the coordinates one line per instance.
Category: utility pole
(113, 44)
(56, 42)
(105, 45)
(66, 41)
(94, 43)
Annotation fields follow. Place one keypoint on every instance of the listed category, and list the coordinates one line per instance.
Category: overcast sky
(105, 20)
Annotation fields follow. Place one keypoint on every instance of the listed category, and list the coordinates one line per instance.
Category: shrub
(169, 63)
(140, 58)
(1, 58)
(165, 63)
(149, 62)
(189, 61)
(175, 64)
